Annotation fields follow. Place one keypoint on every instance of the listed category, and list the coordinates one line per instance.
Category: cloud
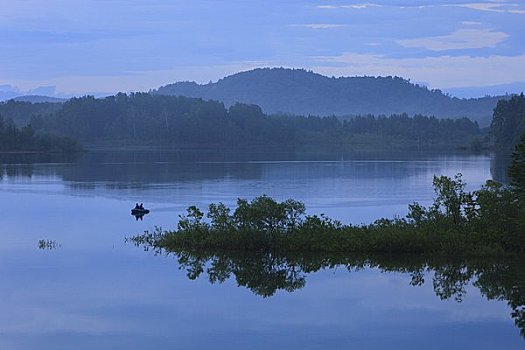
(318, 25)
(493, 7)
(352, 6)
(483, 6)
(361, 6)
(440, 72)
(460, 39)
(471, 23)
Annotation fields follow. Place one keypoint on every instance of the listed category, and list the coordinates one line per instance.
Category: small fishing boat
(139, 211)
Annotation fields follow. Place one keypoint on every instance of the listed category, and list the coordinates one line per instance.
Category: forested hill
(296, 91)
(149, 119)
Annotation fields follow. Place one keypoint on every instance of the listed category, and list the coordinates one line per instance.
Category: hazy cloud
(491, 6)
(471, 23)
(440, 72)
(140, 80)
(494, 7)
(318, 25)
(460, 39)
(352, 6)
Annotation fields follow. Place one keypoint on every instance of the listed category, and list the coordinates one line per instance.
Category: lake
(89, 289)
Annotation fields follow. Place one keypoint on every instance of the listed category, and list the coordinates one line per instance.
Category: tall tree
(517, 167)
(508, 123)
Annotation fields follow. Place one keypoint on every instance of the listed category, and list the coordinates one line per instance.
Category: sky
(64, 47)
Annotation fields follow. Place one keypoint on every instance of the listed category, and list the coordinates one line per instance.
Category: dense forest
(508, 124)
(150, 119)
(21, 112)
(25, 139)
(301, 92)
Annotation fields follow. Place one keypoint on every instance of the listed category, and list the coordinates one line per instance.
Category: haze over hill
(39, 99)
(297, 91)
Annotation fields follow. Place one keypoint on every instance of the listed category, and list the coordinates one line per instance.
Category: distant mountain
(297, 91)
(492, 90)
(39, 99)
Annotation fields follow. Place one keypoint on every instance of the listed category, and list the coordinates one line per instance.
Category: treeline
(508, 123)
(192, 122)
(14, 139)
(21, 112)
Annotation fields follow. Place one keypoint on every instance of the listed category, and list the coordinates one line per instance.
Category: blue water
(94, 291)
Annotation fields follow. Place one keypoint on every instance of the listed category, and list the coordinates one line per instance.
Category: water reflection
(47, 244)
(40, 158)
(265, 273)
(139, 216)
(119, 170)
(499, 165)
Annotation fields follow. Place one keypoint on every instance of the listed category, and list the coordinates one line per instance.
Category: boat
(139, 211)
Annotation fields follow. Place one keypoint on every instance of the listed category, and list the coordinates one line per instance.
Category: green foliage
(508, 122)
(262, 214)
(293, 212)
(499, 210)
(417, 213)
(451, 196)
(220, 216)
(517, 167)
(451, 205)
(192, 221)
(265, 214)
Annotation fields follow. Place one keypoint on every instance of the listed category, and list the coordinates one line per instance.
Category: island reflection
(265, 273)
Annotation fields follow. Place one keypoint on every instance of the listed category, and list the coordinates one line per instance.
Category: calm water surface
(94, 291)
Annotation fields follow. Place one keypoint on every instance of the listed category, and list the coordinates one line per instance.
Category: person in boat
(141, 206)
(137, 206)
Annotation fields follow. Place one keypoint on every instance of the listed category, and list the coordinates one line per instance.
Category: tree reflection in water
(265, 273)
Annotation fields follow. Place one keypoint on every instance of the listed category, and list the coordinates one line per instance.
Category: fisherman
(137, 206)
(141, 206)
